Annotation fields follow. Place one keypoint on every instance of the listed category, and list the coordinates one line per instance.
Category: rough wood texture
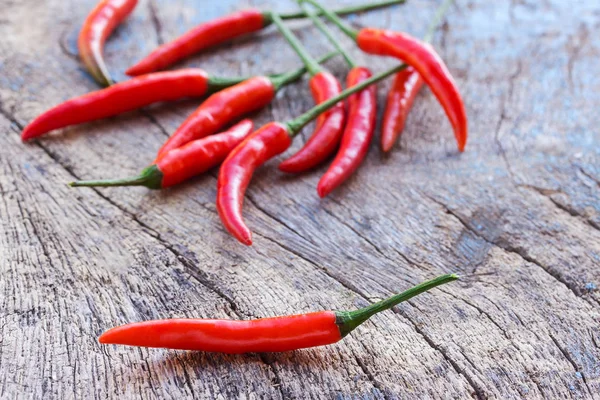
(518, 214)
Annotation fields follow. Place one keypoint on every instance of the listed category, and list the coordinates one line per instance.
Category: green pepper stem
(281, 80)
(437, 19)
(150, 177)
(344, 27)
(218, 83)
(347, 321)
(295, 126)
(311, 64)
(327, 32)
(342, 11)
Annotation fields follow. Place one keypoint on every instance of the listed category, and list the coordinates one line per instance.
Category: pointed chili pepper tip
(26, 135)
(116, 335)
(323, 191)
(244, 236)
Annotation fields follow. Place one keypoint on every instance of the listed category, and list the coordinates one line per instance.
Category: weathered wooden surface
(518, 214)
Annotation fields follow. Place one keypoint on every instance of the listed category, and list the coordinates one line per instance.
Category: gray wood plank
(517, 215)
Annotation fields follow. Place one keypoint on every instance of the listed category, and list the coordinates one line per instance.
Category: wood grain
(518, 214)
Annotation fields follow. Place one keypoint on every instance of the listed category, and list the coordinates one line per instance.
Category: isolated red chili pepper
(357, 135)
(400, 99)
(275, 334)
(223, 29)
(229, 104)
(237, 170)
(200, 38)
(256, 149)
(422, 57)
(127, 96)
(330, 125)
(97, 27)
(362, 113)
(183, 163)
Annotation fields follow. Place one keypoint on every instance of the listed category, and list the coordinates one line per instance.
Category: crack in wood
(564, 207)
(511, 249)
(256, 205)
(479, 392)
(153, 8)
(592, 177)
(503, 117)
(155, 122)
(481, 311)
(568, 357)
(370, 376)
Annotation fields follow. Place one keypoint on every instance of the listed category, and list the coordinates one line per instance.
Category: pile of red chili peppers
(215, 134)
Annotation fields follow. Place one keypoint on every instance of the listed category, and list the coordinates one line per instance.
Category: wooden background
(518, 214)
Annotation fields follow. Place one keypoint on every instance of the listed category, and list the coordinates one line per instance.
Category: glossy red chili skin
(329, 127)
(232, 337)
(198, 156)
(237, 170)
(199, 38)
(423, 58)
(401, 97)
(97, 27)
(119, 98)
(221, 109)
(358, 134)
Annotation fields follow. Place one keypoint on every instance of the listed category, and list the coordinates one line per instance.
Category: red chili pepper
(183, 163)
(330, 125)
(227, 105)
(361, 118)
(220, 109)
(401, 97)
(422, 57)
(429, 65)
(275, 334)
(200, 38)
(357, 135)
(127, 96)
(97, 27)
(267, 142)
(220, 30)
(328, 131)
(237, 170)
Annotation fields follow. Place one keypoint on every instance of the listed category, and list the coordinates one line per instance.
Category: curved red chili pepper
(220, 109)
(183, 163)
(119, 98)
(200, 38)
(329, 129)
(401, 97)
(423, 58)
(357, 135)
(237, 170)
(257, 336)
(97, 27)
